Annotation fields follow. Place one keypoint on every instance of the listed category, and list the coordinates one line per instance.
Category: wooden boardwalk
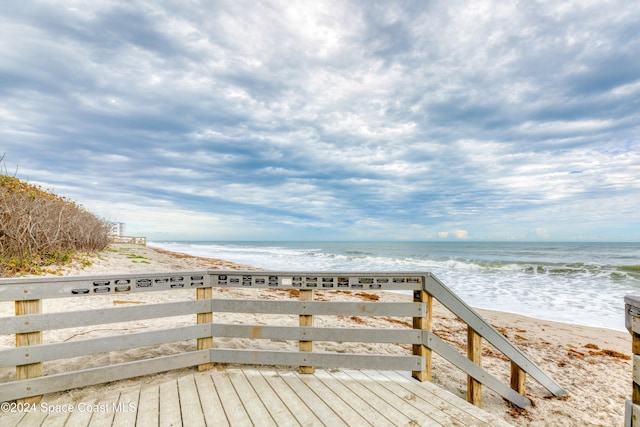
(262, 397)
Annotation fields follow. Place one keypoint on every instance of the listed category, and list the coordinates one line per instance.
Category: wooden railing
(29, 322)
(632, 322)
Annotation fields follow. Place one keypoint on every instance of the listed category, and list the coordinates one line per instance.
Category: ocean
(579, 283)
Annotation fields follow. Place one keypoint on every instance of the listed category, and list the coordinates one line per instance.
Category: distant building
(117, 228)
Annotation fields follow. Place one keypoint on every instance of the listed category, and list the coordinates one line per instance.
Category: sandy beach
(593, 365)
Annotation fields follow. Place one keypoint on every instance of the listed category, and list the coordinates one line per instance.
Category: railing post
(32, 370)
(632, 322)
(306, 320)
(424, 323)
(203, 318)
(518, 378)
(474, 353)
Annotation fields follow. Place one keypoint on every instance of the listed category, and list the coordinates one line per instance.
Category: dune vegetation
(39, 229)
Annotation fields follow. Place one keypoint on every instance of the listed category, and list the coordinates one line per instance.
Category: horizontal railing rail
(29, 323)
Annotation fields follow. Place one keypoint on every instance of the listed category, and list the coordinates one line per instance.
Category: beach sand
(593, 365)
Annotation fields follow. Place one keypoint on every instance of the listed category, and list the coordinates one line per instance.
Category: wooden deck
(263, 397)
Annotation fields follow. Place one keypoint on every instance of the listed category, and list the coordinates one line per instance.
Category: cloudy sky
(333, 120)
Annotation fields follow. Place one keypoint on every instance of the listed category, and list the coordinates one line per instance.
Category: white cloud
(461, 234)
(542, 233)
(350, 117)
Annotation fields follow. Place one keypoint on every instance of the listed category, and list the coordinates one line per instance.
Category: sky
(330, 120)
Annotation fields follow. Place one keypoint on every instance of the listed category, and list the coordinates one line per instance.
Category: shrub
(38, 228)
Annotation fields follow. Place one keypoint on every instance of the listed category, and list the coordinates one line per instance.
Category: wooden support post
(518, 378)
(423, 323)
(32, 370)
(474, 353)
(306, 320)
(205, 343)
(632, 322)
(635, 349)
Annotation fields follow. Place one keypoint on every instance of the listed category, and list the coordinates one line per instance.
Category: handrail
(461, 309)
(29, 323)
(632, 323)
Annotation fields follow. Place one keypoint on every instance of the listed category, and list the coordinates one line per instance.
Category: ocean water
(580, 283)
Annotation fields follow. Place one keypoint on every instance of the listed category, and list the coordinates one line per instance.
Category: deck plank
(363, 407)
(28, 419)
(80, 418)
(450, 403)
(388, 411)
(231, 402)
(254, 406)
(338, 405)
(279, 411)
(128, 403)
(323, 411)
(402, 403)
(211, 405)
(102, 413)
(55, 419)
(297, 406)
(424, 402)
(190, 402)
(170, 414)
(149, 407)
(13, 419)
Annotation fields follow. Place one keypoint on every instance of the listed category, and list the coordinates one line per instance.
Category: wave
(358, 253)
(303, 257)
(559, 282)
